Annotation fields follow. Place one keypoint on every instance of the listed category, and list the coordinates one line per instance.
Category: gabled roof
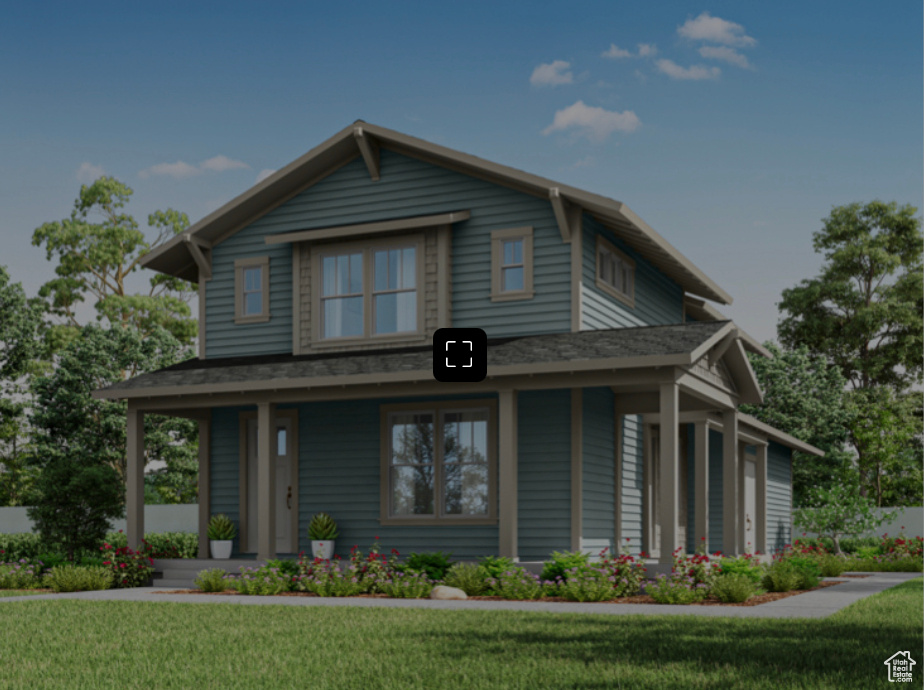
(703, 311)
(176, 257)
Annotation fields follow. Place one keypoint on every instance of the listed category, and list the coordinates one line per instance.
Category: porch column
(701, 476)
(134, 477)
(760, 502)
(205, 498)
(730, 483)
(577, 469)
(507, 474)
(669, 474)
(742, 499)
(266, 482)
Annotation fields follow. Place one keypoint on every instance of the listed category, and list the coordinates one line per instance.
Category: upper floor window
(512, 264)
(615, 272)
(251, 290)
(369, 290)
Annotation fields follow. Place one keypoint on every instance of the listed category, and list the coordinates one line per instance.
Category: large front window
(439, 463)
(369, 291)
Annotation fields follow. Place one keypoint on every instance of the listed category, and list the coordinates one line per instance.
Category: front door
(750, 504)
(284, 496)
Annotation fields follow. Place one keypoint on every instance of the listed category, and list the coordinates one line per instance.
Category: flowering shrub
(675, 590)
(587, 584)
(373, 568)
(171, 545)
(324, 578)
(624, 571)
(518, 584)
(700, 567)
(129, 568)
(495, 565)
(20, 575)
(734, 588)
(562, 563)
(469, 577)
(263, 581)
(412, 585)
(212, 580)
(746, 565)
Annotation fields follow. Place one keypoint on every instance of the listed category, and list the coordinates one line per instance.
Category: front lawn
(121, 644)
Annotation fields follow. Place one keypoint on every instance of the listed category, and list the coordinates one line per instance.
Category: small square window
(512, 264)
(251, 290)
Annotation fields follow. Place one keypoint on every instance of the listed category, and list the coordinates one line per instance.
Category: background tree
(20, 354)
(805, 396)
(837, 511)
(96, 259)
(865, 314)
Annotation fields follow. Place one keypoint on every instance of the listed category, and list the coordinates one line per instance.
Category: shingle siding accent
(658, 299)
(544, 473)
(598, 467)
(779, 496)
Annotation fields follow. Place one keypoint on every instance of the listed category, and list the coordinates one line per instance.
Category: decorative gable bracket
(567, 215)
(369, 149)
(195, 247)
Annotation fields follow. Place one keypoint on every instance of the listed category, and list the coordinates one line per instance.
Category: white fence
(907, 520)
(170, 518)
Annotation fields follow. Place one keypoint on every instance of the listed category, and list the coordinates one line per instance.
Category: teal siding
(715, 491)
(598, 488)
(779, 496)
(691, 488)
(658, 299)
(544, 473)
(224, 467)
(632, 483)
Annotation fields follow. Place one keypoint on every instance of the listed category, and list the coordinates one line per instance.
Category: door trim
(243, 419)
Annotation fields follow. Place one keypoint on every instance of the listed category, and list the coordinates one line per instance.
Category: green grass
(21, 592)
(70, 643)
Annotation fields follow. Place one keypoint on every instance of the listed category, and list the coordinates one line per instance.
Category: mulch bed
(640, 599)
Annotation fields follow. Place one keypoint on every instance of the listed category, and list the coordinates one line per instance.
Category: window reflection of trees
(412, 464)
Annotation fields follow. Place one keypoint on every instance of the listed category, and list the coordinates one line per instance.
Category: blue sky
(731, 128)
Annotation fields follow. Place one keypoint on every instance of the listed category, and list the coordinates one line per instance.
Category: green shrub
(561, 563)
(517, 584)
(75, 578)
(221, 528)
(171, 545)
(781, 577)
(410, 585)
(665, 590)
(286, 566)
(588, 584)
(433, 564)
(742, 566)
(129, 568)
(469, 577)
(325, 579)
(47, 561)
(831, 565)
(19, 575)
(262, 581)
(734, 588)
(212, 580)
(626, 574)
(808, 570)
(15, 547)
(495, 565)
(868, 552)
(881, 564)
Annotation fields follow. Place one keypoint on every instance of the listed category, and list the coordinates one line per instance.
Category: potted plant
(221, 533)
(322, 530)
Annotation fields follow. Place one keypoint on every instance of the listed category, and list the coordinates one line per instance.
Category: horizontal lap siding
(544, 473)
(779, 496)
(658, 299)
(691, 488)
(632, 482)
(598, 465)
(224, 468)
(715, 491)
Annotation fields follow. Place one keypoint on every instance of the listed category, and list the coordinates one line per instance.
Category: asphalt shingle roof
(674, 339)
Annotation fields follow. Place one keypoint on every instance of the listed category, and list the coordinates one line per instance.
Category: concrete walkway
(817, 604)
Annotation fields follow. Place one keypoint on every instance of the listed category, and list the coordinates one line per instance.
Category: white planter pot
(220, 548)
(322, 549)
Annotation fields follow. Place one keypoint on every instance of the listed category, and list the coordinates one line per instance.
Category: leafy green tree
(837, 511)
(805, 396)
(865, 314)
(97, 249)
(69, 423)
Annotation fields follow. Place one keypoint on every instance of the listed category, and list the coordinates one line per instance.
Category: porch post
(730, 483)
(701, 476)
(134, 477)
(507, 474)
(742, 498)
(577, 470)
(266, 482)
(205, 498)
(670, 469)
(760, 502)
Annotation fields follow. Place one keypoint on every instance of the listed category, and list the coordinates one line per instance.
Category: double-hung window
(615, 272)
(251, 290)
(511, 264)
(369, 290)
(438, 463)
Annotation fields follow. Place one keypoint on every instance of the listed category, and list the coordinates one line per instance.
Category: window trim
(498, 237)
(438, 409)
(367, 248)
(239, 265)
(606, 245)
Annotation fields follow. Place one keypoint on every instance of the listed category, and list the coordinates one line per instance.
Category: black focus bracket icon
(460, 355)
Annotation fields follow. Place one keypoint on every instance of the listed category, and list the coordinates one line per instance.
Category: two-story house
(608, 415)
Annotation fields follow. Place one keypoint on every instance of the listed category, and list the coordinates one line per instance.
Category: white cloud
(222, 164)
(263, 174)
(593, 122)
(615, 52)
(726, 54)
(716, 30)
(87, 173)
(552, 74)
(585, 162)
(694, 72)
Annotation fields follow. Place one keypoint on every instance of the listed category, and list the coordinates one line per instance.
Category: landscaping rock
(444, 592)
